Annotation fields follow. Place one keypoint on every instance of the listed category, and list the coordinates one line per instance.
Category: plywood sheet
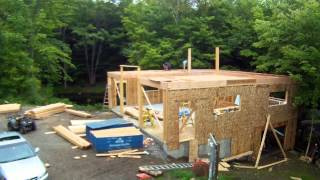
(117, 132)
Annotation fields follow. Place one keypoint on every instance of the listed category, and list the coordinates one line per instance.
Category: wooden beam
(189, 60)
(272, 164)
(140, 99)
(237, 156)
(121, 91)
(217, 59)
(71, 137)
(78, 113)
(8, 108)
(262, 141)
(129, 66)
(278, 141)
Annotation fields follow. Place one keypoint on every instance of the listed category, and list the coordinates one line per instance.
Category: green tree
(96, 26)
(32, 54)
(289, 43)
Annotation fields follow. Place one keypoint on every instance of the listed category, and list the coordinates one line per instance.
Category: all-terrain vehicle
(21, 123)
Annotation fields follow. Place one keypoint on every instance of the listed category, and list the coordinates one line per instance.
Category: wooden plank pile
(45, 111)
(9, 108)
(71, 137)
(127, 153)
(78, 113)
(51, 109)
(79, 126)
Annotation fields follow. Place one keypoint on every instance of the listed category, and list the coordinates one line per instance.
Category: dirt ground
(59, 154)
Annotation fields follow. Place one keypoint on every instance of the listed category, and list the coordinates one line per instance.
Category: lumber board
(272, 164)
(221, 168)
(84, 122)
(278, 140)
(43, 115)
(71, 137)
(116, 132)
(78, 113)
(115, 153)
(248, 153)
(189, 60)
(81, 129)
(224, 164)
(244, 166)
(129, 156)
(193, 150)
(9, 108)
(217, 59)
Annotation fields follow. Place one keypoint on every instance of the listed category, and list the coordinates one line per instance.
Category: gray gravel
(59, 154)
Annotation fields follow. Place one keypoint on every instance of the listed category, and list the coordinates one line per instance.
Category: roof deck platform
(200, 78)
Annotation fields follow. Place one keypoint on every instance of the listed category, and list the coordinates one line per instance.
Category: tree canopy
(47, 43)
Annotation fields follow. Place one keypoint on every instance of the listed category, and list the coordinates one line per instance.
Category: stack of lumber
(9, 108)
(79, 126)
(46, 111)
(71, 137)
(124, 154)
(79, 113)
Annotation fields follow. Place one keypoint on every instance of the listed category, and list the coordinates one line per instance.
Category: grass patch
(180, 174)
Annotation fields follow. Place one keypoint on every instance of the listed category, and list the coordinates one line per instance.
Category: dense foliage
(52, 42)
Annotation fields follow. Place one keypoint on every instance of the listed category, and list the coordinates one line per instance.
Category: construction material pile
(71, 137)
(51, 109)
(45, 111)
(9, 108)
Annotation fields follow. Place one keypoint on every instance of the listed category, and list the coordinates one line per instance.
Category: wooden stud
(121, 91)
(217, 59)
(272, 164)
(189, 60)
(262, 141)
(193, 150)
(140, 99)
(237, 156)
(277, 139)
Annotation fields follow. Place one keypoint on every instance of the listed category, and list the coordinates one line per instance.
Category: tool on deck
(148, 116)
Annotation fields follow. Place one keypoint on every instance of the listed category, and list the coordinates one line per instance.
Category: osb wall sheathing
(240, 126)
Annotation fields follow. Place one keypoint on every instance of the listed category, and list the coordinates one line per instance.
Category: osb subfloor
(187, 133)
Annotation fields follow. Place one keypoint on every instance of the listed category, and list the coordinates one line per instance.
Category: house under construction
(188, 105)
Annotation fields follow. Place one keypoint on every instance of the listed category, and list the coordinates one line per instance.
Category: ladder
(166, 166)
(105, 98)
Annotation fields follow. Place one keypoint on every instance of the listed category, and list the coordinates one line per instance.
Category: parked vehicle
(21, 123)
(18, 159)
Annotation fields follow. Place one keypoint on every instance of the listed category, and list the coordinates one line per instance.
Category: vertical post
(121, 91)
(140, 100)
(189, 60)
(217, 59)
(213, 157)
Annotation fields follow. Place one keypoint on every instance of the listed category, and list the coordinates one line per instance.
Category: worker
(184, 64)
(166, 66)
